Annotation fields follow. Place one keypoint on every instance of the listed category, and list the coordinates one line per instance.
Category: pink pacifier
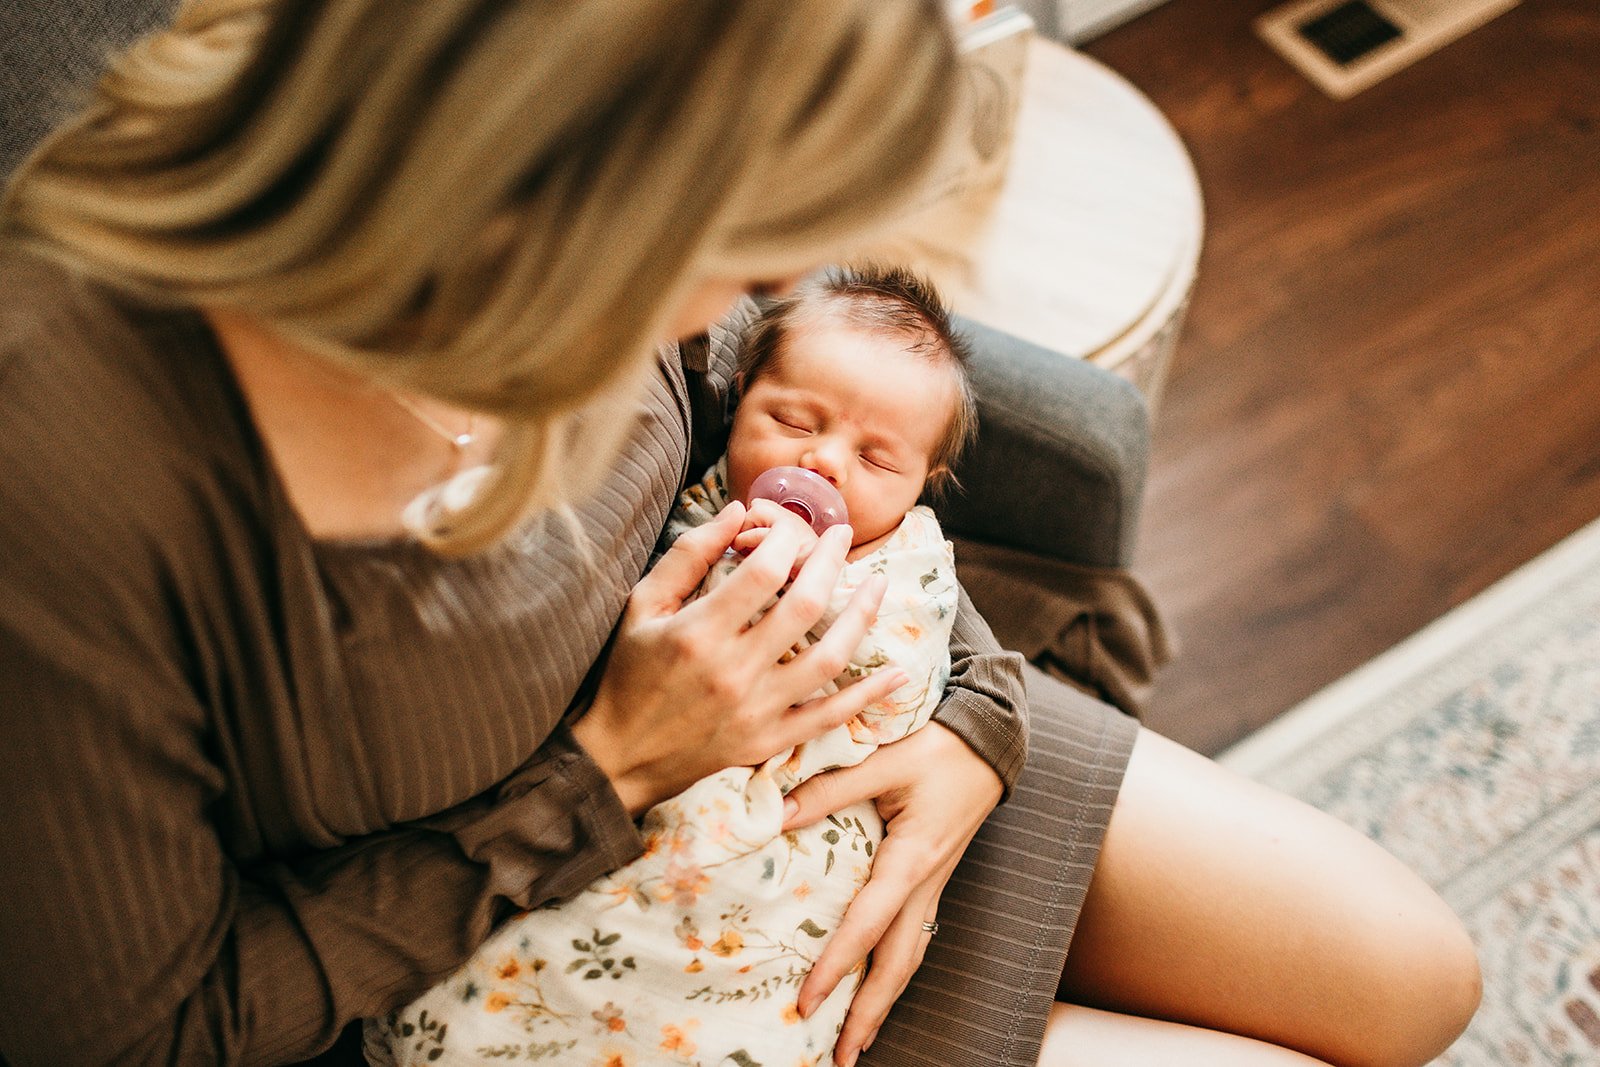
(806, 493)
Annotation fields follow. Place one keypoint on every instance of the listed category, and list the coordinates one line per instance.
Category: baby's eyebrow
(798, 397)
(797, 405)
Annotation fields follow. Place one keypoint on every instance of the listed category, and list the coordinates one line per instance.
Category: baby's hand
(765, 515)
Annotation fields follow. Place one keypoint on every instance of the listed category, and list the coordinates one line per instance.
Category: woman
(296, 701)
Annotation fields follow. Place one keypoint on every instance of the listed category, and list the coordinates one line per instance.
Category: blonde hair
(496, 203)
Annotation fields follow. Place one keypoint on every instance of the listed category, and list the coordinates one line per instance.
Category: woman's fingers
(806, 599)
(895, 959)
(821, 714)
(753, 584)
(896, 875)
(679, 573)
(933, 792)
(823, 794)
(823, 659)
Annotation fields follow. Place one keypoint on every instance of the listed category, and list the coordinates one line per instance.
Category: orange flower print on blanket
(675, 1039)
(610, 1018)
(683, 884)
(731, 943)
(688, 932)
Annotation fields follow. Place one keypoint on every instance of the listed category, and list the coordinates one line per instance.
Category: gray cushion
(1061, 462)
(50, 50)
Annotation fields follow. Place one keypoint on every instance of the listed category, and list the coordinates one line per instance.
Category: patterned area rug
(1472, 751)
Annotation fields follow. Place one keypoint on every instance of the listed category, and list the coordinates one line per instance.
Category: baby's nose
(822, 461)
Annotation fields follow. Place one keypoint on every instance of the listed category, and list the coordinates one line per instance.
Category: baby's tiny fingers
(749, 539)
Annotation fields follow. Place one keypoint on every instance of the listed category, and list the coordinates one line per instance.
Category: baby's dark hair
(878, 299)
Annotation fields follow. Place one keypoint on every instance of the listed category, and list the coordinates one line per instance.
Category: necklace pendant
(457, 441)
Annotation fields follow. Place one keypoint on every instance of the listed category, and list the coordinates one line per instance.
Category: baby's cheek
(739, 476)
(747, 459)
(739, 479)
(865, 514)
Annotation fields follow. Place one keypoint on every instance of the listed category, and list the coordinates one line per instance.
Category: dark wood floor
(1388, 392)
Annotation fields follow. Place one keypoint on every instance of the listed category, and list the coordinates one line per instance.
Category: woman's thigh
(1086, 1037)
(1222, 904)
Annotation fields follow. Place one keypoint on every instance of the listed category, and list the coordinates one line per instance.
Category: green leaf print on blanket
(544, 1050)
(599, 965)
(860, 840)
(430, 1034)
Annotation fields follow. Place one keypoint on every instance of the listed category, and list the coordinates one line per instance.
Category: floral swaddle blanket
(694, 952)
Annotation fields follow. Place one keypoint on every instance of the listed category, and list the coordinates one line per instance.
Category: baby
(694, 952)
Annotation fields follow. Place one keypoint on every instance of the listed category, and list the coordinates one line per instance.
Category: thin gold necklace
(457, 441)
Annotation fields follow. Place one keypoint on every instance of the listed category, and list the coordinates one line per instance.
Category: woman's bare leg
(1086, 1037)
(1223, 905)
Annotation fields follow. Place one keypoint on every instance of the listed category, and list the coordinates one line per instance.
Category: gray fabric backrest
(1060, 469)
(50, 50)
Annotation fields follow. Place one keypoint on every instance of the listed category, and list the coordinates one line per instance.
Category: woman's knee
(1424, 985)
(1411, 971)
(1224, 904)
(1410, 974)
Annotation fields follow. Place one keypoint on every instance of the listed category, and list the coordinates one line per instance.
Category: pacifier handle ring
(799, 508)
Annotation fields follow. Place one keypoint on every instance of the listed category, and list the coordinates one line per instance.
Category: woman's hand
(692, 687)
(933, 792)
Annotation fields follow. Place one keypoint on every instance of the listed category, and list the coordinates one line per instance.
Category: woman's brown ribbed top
(256, 786)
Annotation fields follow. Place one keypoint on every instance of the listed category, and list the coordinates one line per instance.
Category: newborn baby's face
(854, 407)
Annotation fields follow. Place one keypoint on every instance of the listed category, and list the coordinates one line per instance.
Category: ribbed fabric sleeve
(985, 702)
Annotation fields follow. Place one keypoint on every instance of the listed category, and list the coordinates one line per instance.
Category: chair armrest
(1059, 467)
